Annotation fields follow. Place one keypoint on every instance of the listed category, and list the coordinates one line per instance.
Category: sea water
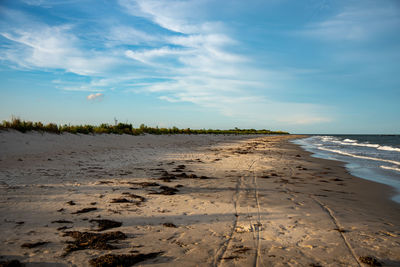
(372, 157)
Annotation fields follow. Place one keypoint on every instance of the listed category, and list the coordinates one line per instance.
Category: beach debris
(167, 177)
(141, 199)
(61, 221)
(61, 210)
(33, 245)
(166, 190)
(182, 175)
(168, 224)
(340, 230)
(71, 203)
(112, 260)
(104, 182)
(87, 240)
(179, 168)
(62, 228)
(84, 210)
(104, 224)
(241, 249)
(146, 184)
(232, 257)
(120, 200)
(178, 186)
(372, 261)
(11, 263)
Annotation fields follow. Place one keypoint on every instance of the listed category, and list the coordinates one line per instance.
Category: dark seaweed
(87, 240)
(84, 210)
(112, 260)
(105, 224)
(33, 245)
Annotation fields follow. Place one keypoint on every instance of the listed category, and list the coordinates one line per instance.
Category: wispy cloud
(359, 23)
(127, 35)
(38, 45)
(171, 15)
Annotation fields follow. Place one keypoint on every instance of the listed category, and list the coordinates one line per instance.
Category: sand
(181, 200)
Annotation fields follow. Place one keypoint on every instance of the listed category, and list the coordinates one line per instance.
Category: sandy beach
(187, 200)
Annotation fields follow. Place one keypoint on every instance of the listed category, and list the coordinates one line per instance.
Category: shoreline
(189, 200)
(354, 167)
(391, 191)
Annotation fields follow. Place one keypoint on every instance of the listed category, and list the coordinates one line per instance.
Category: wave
(389, 148)
(390, 168)
(358, 156)
(350, 142)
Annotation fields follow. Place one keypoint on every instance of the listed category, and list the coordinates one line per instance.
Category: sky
(312, 66)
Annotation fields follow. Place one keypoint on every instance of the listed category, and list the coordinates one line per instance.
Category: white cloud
(126, 35)
(148, 56)
(97, 96)
(171, 15)
(38, 45)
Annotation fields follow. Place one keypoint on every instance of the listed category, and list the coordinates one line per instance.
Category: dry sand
(262, 202)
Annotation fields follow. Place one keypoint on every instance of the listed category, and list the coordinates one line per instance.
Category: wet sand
(72, 200)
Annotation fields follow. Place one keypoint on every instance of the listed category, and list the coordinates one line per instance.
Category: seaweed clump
(112, 260)
(170, 225)
(370, 261)
(120, 200)
(11, 263)
(33, 245)
(166, 190)
(106, 224)
(86, 240)
(84, 210)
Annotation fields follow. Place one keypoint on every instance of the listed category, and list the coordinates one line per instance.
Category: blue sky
(313, 66)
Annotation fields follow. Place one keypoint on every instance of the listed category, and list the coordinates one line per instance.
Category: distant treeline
(120, 128)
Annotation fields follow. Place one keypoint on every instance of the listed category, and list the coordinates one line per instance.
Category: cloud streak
(355, 24)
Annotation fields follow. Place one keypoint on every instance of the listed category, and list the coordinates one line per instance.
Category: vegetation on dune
(118, 128)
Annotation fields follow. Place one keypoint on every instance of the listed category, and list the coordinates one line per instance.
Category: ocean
(371, 157)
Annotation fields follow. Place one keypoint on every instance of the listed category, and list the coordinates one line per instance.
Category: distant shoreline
(120, 128)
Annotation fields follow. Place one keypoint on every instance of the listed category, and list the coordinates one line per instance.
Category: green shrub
(120, 128)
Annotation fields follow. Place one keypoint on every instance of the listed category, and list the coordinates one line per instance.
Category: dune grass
(120, 128)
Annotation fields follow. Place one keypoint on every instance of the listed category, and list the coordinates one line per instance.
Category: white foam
(390, 168)
(360, 157)
(350, 140)
(387, 148)
(327, 138)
